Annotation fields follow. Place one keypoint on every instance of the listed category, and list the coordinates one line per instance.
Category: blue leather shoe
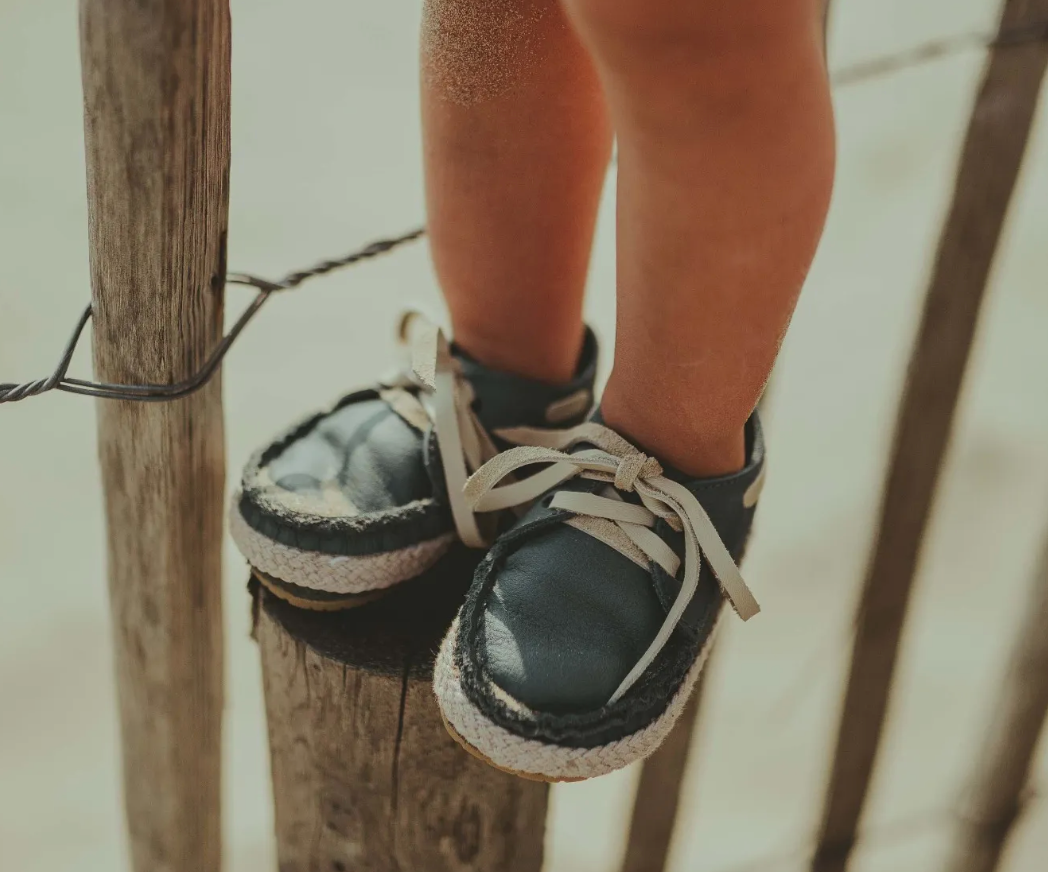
(589, 620)
(369, 493)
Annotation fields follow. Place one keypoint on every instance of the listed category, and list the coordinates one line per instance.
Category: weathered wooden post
(156, 119)
(1002, 766)
(990, 162)
(365, 776)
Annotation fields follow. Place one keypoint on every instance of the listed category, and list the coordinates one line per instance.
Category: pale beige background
(326, 156)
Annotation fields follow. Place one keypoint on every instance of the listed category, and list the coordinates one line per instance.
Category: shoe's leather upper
(355, 448)
(556, 618)
(359, 478)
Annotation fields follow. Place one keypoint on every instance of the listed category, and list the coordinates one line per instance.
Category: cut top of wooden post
(395, 635)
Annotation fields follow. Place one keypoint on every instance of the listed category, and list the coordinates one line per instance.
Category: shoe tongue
(508, 400)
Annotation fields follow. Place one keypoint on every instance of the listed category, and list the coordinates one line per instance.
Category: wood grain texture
(1002, 764)
(156, 111)
(989, 166)
(365, 776)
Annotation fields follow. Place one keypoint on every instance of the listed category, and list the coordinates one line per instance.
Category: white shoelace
(445, 399)
(615, 462)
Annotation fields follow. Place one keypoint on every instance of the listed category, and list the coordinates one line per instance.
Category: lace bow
(619, 464)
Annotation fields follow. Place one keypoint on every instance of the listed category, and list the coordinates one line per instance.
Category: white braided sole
(530, 757)
(333, 573)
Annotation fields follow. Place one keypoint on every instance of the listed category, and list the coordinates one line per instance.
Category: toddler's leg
(516, 149)
(726, 151)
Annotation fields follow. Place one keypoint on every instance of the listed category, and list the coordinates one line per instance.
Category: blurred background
(326, 155)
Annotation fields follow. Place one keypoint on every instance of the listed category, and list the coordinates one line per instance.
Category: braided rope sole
(312, 602)
(547, 761)
(332, 572)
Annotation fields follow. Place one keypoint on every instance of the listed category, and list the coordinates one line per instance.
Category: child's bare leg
(726, 152)
(516, 148)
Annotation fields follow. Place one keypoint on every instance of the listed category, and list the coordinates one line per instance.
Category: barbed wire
(58, 380)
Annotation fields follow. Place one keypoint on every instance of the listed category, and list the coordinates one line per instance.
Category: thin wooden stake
(1002, 765)
(657, 803)
(990, 163)
(156, 110)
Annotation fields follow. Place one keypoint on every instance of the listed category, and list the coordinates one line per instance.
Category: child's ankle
(542, 356)
(659, 428)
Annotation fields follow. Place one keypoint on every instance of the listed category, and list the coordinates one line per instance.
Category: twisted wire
(152, 393)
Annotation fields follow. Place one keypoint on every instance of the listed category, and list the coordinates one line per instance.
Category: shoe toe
(566, 619)
(359, 458)
(351, 482)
